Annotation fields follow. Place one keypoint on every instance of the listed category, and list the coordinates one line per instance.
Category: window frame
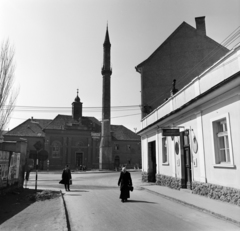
(167, 150)
(59, 145)
(216, 141)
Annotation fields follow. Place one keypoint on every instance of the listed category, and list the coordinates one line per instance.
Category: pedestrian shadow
(137, 201)
(72, 195)
(73, 190)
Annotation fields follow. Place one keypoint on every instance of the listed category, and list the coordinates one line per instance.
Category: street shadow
(74, 190)
(72, 195)
(13, 202)
(137, 201)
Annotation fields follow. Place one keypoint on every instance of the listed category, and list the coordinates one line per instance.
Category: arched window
(56, 147)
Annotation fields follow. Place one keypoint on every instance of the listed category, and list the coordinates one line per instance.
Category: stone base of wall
(171, 182)
(148, 177)
(144, 177)
(217, 192)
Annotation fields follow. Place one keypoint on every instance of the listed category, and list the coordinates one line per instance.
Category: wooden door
(79, 159)
(186, 166)
(152, 161)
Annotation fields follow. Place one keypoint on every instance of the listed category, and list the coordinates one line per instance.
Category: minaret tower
(105, 159)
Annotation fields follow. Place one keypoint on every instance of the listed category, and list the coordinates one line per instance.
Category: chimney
(200, 24)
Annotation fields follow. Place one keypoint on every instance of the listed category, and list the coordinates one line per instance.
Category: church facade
(75, 140)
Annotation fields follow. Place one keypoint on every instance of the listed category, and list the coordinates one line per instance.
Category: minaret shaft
(106, 98)
(105, 158)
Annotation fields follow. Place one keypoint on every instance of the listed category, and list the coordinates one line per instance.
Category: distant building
(32, 131)
(75, 140)
(185, 54)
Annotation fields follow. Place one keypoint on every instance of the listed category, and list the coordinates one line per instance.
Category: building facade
(192, 140)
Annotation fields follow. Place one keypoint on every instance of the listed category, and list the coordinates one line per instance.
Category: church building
(79, 140)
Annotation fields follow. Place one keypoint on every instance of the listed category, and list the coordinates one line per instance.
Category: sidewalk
(217, 208)
(83, 172)
(39, 216)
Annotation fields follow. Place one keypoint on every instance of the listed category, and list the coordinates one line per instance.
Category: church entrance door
(79, 160)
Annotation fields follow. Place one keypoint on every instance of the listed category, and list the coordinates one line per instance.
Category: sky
(59, 49)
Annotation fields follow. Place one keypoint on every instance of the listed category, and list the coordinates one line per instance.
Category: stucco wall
(226, 176)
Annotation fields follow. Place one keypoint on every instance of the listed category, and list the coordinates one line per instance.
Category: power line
(126, 106)
(125, 115)
(52, 109)
(111, 117)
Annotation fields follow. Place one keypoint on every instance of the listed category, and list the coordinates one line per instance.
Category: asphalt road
(93, 204)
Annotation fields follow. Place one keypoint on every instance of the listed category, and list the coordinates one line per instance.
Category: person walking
(66, 177)
(125, 183)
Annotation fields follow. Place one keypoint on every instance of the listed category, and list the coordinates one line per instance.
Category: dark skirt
(125, 194)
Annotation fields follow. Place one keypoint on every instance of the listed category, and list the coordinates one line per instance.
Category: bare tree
(7, 94)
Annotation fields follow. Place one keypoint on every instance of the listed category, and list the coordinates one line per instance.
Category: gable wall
(185, 49)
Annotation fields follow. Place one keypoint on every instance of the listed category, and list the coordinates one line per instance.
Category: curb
(87, 172)
(66, 212)
(195, 207)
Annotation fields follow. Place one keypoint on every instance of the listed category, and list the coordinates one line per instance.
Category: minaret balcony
(106, 71)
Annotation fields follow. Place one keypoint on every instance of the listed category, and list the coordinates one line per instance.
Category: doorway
(79, 160)
(186, 181)
(152, 161)
(117, 163)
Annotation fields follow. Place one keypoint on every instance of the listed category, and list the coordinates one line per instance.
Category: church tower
(105, 159)
(77, 108)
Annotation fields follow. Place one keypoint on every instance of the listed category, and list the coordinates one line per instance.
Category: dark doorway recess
(152, 161)
(186, 181)
(79, 159)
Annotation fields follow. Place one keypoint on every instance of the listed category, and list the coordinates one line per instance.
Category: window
(222, 142)
(56, 147)
(164, 150)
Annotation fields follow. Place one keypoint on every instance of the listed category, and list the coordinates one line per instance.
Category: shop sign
(170, 132)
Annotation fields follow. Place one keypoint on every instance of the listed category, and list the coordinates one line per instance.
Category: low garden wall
(217, 192)
(171, 182)
(12, 165)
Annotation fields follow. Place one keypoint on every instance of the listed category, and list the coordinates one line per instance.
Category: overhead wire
(111, 117)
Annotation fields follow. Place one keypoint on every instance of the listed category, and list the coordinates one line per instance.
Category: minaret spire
(105, 158)
(107, 40)
(106, 54)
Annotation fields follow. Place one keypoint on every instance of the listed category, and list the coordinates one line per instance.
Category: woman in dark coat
(124, 181)
(66, 177)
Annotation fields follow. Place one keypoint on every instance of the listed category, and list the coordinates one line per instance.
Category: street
(93, 204)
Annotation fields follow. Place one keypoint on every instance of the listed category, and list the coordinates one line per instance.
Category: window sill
(224, 166)
(165, 164)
